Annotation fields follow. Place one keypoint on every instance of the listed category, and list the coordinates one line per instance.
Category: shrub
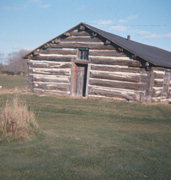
(17, 122)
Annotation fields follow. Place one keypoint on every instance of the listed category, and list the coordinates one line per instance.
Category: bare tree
(17, 64)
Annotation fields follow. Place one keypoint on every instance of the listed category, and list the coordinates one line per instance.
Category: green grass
(11, 82)
(91, 139)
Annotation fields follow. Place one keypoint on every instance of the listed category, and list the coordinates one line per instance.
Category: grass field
(91, 139)
(11, 82)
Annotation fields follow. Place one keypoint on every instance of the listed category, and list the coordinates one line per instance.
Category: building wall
(112, 73)
(118, 77)
(160, 84)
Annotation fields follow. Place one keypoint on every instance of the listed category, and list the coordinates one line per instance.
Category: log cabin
(88, 62)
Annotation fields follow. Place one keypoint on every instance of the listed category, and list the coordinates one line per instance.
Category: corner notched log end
(56, 41)
(67, 34)
(82, 28)
(93, 35)
(120, 49)
(107, 42)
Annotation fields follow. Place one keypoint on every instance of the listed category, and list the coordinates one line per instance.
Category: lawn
(12, 82)
(91, 139)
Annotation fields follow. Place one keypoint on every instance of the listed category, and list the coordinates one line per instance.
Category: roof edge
(26, 56)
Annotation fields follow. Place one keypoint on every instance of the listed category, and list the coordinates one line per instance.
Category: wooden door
(80, 79)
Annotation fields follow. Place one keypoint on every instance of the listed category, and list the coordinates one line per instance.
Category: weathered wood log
(93, 34)
(79, 33)
(82, 45)
(35, 53)
(115, 68)
(46, 79)
(166, 83)
(39, 90)
(56, 41)
(157, 92)
(149, 85)
(105, 97)
(158, 83)
(158, 75)
(59, 51)
(117, 84)
(49, 65)
(81, 39)
(111, 57)
(52, 86)
(159, 69)
(121, 77)
(107, 42)
(57, 55)
(131, 63)
(82, 28)
(50, 71)
(106, 53)
(52, 58)
(67, 34)
(112, 93)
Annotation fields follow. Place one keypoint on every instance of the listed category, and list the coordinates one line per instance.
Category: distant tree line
(16, 63)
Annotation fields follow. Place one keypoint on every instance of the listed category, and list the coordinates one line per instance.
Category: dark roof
(154, 55)
(151, 54)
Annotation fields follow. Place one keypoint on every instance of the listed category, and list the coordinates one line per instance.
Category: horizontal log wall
(50, 76)
(116, 76)
(161, 85)
(112, 73)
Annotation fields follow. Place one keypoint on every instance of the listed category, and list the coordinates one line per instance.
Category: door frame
(73, 78)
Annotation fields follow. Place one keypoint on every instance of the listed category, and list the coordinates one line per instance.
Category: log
(115, 68)
(80, 42)
(159, 69)
(53, 58)
(59, 51)
(46, 79)
(105, 97)
(157, 93)
(50, 71)
(81, 39)
(117, 84)
(56, 41)
(106, 53)
(121, 77)
(82, 28)
(112, 93)
(52, 86)
(93, 34)
(39, 90)
(50, 76)
(49, 65)
(67, 34)
(79, 33)
(158, 75)
(149, 85)
(58, 55)
(158, 83)
(166, 83)
(131, 63)
(82, 45)
(107, 42)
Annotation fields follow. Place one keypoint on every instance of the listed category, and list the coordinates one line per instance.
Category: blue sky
(30, 23)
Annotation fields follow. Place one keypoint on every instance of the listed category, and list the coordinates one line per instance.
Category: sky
(26, 24)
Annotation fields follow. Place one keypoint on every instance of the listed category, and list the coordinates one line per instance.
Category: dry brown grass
(17, 122)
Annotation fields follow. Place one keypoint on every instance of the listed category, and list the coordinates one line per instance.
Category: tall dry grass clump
(17, 122)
